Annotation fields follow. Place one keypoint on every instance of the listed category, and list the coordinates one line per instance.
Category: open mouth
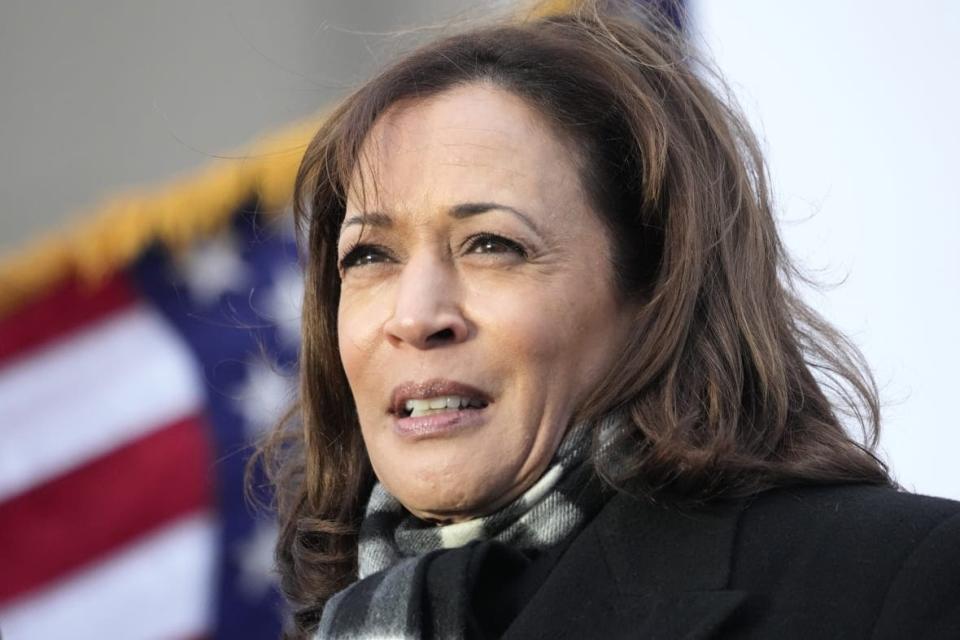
(438, 397)
(415, 408)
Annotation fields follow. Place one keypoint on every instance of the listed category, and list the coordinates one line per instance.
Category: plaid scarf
(414, 577)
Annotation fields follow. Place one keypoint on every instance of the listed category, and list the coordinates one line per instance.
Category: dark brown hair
(730, 384)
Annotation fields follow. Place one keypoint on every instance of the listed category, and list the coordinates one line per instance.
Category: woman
(555, 379)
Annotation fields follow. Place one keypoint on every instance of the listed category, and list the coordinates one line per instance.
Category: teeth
(420, 407)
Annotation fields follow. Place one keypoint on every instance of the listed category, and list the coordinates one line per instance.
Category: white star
(254, 556)
(213, 267)
(263, 396)
(282, 304)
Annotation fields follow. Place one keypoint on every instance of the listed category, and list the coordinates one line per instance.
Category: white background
(858, 108)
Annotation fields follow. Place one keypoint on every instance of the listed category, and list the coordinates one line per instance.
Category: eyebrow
(368, 219)
(467, 209)
(458, 211)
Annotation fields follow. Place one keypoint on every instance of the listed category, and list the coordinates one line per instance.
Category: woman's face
(480, 290)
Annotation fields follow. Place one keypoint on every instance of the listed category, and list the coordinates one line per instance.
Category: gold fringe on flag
(176, 215)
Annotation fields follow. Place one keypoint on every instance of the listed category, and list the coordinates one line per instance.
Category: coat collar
(640, 570)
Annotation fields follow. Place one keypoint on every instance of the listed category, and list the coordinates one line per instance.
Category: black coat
(824, 562)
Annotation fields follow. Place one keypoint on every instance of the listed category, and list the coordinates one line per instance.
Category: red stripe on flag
(68, 307)
(86, 513)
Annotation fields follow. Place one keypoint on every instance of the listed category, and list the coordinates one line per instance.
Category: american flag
(126, 416)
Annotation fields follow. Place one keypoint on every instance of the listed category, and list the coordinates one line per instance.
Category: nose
(427, 311)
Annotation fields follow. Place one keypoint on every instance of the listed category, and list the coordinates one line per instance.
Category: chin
(459, 476)
(450, 491)
(450, 507)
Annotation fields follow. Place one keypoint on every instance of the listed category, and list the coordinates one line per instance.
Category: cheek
(565, 333)
(357, 330)
(530, 325)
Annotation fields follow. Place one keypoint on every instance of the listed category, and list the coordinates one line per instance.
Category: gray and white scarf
(403, 591)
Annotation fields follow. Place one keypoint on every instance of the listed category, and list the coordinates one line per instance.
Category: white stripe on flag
(158, 588)
(90, 393)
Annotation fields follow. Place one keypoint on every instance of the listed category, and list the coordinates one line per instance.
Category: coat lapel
(640, 571)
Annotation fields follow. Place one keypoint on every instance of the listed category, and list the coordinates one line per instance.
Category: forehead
(474, 142)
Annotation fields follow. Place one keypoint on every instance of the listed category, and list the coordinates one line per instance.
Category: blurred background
(149, 286)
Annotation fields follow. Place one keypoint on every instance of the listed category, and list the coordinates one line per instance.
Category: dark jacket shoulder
(812, 562)
(850, 561)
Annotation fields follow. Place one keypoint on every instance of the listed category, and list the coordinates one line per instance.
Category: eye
(491, 243)
(362, 255)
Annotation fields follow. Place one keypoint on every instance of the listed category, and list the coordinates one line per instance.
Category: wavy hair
(730, 383)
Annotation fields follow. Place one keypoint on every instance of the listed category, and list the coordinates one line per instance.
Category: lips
(434, 388)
